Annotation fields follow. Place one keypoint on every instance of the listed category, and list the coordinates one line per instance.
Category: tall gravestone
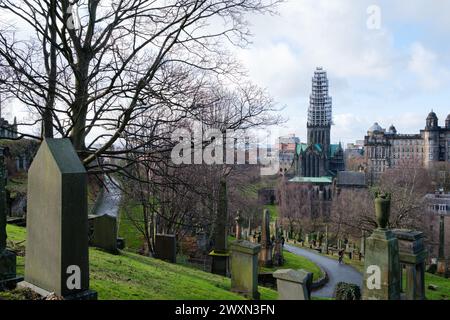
(7, 258)
(412, 255)
(293, 284)
(244, 268)
(442, 261)
(57, 256)
(265, 256)
(220, 254)
(238, 221)
(382, 265)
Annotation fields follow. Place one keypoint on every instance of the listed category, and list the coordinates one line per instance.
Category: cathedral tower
(320, 111)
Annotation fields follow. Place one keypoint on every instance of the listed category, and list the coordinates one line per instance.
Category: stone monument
(293, 284)
(265, 256)
(244, 268)
(412, 254)
(103, 232)
(57, 256)
(166, 247)
(382, 265)
(220, 254)
(238, 221)
(7, 258)
(442, 267)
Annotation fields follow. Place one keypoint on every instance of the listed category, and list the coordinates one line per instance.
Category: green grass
(293, 261)
(132, 277)
(127, 230)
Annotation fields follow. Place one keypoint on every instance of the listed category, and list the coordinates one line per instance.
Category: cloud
(424, 64)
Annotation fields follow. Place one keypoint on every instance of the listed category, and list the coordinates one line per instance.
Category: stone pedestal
(293, 284)
(8, 277)
(382, 267)
(103, 232)
(166, 247)
(244, 268)
(412, 255)
(57, 257)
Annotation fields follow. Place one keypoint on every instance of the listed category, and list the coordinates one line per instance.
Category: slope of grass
(293, 261)
(132, 277)
(443, 290)
(127, 229)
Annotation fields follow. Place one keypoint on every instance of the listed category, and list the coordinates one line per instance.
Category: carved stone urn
(382, 209)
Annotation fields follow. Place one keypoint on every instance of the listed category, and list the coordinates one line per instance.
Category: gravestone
(220, 254)
(238, 221)
(244, 268)
(265, 256)
(363, 243)
(7, 258)
(442, 261)
(103, 232)
(57, 256)
(166, 247)
(412, 254)
(382, 264)
(325, 242)
(293, 284)
(278, 258)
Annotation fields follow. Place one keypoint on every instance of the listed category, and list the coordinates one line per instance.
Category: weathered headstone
(166, 247)
(293, 284)
(278, 258)
(265, 256)
(442, 261)
(382, 265)
(244, 268)
(103, 232)
(325, 242)
(57, 257)
(238, 221)
(412, 254)
(220, 254)
(7, 258)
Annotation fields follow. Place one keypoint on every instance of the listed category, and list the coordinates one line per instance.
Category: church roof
(334, 148)
(351, 179)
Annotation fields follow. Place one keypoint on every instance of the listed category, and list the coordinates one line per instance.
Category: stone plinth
(244, 268)
(57, 222)
(265, 256)
(412, 255)
(166, 247)
(103, 232)
(293, 284)
(7, 265)
(382, 267)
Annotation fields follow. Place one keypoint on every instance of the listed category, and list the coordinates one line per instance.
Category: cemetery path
(109, 203)
(336, 272)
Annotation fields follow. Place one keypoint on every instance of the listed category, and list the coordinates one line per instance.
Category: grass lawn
(293, 261)
(132, 277)
(127, 230)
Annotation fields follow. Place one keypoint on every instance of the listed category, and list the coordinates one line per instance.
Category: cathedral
(318, 157)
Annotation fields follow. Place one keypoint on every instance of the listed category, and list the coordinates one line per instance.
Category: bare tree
(93, 66)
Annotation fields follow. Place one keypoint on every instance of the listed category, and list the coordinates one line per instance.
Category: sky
(387, 62)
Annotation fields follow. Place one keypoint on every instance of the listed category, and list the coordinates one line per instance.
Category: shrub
(347, 291)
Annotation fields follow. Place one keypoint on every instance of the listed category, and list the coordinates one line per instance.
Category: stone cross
(57, 257)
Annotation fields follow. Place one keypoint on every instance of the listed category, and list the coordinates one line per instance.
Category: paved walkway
(336, 272)
(109, 204)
